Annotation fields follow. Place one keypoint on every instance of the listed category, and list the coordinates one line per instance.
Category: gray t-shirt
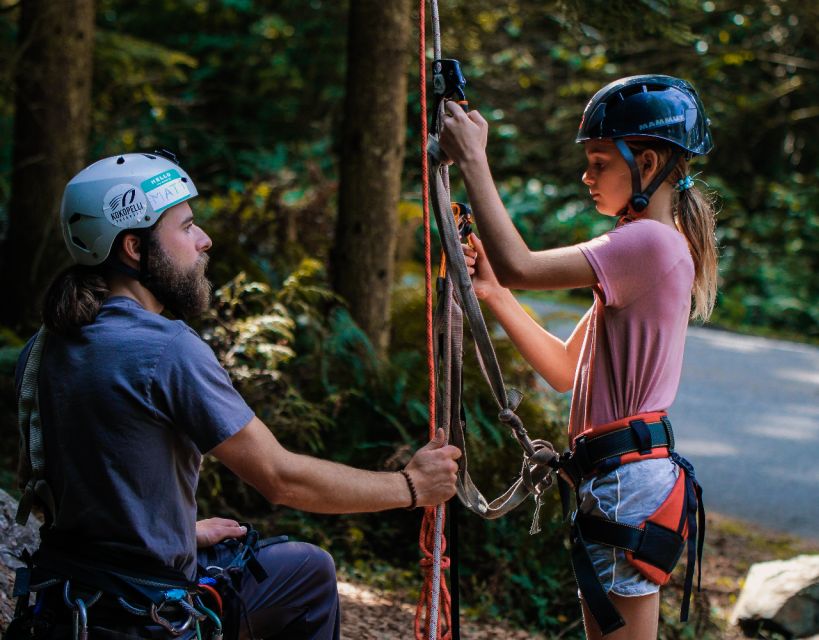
(128, 408)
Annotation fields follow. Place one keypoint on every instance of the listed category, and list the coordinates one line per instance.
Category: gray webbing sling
(32, 454)
(455, 298)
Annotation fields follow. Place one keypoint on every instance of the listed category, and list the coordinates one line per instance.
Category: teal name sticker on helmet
(165, 190)
(124, 205)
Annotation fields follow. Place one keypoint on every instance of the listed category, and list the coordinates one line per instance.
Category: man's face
(177, 261)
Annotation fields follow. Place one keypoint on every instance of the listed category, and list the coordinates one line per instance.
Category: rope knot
(510, 417)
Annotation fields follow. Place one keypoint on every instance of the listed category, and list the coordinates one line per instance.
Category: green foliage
(531, 67)
(236, 87)
(250, 94)
(312, 375)
(252, 330)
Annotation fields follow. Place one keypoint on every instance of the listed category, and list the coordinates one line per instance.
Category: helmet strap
(639, 197)
(140, 274)
(144, 275)
(120, 267)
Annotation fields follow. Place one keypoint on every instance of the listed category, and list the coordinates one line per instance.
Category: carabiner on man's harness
(80, 611)
(182, 599)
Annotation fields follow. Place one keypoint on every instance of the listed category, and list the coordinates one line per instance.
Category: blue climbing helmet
(648, 106)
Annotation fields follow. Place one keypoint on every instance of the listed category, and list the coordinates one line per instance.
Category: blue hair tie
(684, 184)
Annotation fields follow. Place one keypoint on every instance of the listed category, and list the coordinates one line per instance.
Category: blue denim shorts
(629, 494)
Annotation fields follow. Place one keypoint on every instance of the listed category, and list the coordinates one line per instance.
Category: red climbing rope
(426, 540)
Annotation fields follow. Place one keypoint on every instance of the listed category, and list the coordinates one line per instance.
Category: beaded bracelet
(411, 486)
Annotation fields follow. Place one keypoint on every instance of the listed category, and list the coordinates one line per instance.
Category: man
(130, 401)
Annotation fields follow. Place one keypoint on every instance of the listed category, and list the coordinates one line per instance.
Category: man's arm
(320, 486)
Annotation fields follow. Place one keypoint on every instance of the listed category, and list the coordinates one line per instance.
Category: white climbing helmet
(130, 191)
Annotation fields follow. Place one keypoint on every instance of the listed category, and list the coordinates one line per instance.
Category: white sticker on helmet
(124, 205)
(166, 189)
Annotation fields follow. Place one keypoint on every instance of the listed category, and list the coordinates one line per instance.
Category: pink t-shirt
(632, 354)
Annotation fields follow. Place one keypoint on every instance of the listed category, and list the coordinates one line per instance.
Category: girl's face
(607, 176)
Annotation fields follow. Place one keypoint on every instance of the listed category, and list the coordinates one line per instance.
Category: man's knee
(300, 596)
(314, 567)
(322, 564)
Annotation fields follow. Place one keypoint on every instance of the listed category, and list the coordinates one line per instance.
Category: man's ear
(130, 248)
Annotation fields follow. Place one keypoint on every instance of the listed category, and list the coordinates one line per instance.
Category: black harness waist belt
(600, 453)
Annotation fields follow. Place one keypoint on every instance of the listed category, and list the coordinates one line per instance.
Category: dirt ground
(731, 548)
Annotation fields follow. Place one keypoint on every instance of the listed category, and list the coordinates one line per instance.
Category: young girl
(625, 356)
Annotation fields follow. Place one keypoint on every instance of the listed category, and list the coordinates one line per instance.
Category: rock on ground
(781, 596)
(12, 542)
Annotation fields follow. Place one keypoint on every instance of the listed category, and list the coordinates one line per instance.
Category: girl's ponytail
(696, 218)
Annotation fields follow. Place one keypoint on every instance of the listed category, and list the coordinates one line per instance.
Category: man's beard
(185, 293)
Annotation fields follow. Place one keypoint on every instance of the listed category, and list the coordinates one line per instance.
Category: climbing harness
(653, 547)
(77, 588)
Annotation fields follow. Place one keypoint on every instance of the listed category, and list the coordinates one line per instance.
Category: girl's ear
(649, 163)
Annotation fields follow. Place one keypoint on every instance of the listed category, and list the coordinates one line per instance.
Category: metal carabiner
(80, 611)
(166, 624)
(80, 620)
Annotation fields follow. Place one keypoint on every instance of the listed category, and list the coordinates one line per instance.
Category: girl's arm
(550, 356)
(464, 140)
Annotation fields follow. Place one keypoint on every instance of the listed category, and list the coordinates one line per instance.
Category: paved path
(747, 416)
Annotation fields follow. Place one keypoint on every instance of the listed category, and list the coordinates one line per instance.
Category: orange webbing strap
(427, 535)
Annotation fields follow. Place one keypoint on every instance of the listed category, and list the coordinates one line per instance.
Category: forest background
(282, 113)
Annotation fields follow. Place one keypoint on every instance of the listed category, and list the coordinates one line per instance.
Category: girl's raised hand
(484, 281)
(463, 135)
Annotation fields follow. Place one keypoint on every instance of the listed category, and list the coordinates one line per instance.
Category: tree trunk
(52, 122)
(372, 156)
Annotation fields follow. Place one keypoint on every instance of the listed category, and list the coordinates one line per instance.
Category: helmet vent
(184, 179)
(78, 242)
(120, 160)
(150, 157)
(75, 218)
